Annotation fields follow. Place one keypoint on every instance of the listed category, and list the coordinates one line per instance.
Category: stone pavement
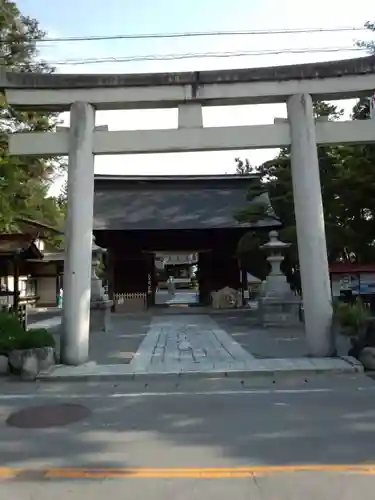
(188, 343)
(269, 342)
(44, 318)
(119, 345)
(184, 345)
(180, 297)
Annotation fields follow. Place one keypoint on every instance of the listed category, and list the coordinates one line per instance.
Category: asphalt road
(198, 439)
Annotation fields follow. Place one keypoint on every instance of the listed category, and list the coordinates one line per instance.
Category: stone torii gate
(296, 85)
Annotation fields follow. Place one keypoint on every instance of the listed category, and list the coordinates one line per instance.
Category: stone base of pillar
(100, 315)
(280, 313)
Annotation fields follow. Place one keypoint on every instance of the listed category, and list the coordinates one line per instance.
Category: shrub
(37, 337)
(11, 332)
(13, 336)
(351, 317)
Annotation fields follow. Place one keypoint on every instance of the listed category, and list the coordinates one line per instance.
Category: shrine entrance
(139, 218)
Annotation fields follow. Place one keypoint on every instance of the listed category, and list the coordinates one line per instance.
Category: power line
(192, 34)
(202, 55)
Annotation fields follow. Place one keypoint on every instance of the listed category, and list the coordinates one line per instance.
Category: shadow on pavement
(189, 430)
(223, 430)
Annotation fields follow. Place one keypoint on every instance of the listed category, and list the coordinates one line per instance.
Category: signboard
(367, 283)
(363, 283)
(344, 283)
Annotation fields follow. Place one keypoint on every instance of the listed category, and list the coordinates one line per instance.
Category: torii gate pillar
(78, 236)
(308, 208)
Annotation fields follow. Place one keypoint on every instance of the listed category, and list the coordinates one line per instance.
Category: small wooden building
(40, 270)
(15, 251)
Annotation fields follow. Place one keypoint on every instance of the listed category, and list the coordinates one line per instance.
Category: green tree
(348, 190)
(370, 45)
(243, 167)
(62, 198)
(24, 181)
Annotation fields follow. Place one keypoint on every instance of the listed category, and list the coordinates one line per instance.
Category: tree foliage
(347, 175)
(24, 181)
(243, 167)
(62, 198)
(369, 45)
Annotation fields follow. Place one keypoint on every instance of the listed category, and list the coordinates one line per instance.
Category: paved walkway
(180, 297)
(53, 322)
(188, 343)
(116, 346)
(271, 342)
(186, 297)
(195, 344)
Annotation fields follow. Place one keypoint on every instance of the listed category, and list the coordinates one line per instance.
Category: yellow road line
(8, 473)
(182, 473)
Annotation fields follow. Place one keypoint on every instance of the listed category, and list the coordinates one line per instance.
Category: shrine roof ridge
(308, 71)
(176, 178)
(186, 182)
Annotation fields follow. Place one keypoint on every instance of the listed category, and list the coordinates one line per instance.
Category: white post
(308, 206)
(190, 115)
(78, 236)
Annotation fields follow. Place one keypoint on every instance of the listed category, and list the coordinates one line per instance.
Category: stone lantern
(100, 306)
(279, 305)
(276, 285)
(97, 291)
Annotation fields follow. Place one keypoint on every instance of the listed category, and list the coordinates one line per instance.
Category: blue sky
(96, 17)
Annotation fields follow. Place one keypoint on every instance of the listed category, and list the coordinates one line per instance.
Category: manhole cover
(41, 417)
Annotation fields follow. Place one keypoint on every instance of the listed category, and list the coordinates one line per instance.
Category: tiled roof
(137, 203)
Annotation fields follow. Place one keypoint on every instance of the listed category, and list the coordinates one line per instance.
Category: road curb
(123, 372)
